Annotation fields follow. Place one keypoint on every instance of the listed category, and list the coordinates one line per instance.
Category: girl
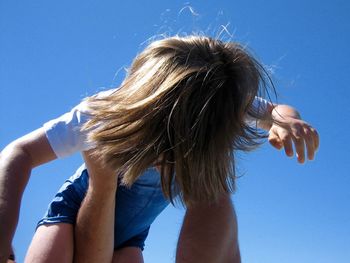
(169, 131)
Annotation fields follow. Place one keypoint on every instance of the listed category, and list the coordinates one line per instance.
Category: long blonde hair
(182, 106)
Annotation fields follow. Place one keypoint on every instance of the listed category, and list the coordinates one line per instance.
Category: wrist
(282, 112)
(103, 189)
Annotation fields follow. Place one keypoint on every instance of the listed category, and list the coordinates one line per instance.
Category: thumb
(274, 140)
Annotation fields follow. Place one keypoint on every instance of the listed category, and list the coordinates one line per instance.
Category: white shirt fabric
(65, 133)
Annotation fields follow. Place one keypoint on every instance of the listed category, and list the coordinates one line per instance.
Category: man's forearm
(94, 230)
(209, 234)
(15, 168)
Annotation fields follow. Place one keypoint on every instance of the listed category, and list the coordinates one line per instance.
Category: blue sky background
(52, 54)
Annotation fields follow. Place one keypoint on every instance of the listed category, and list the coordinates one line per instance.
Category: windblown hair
(183, 107)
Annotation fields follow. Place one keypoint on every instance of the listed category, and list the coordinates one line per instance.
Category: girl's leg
(128, 255)
(53, 240)
(52, 243)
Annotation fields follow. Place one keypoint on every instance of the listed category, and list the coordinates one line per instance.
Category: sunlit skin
(185, 103)
(286, 131)
(291, 130)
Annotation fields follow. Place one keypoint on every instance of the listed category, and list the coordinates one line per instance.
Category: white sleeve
(259, 107)
(65, 134)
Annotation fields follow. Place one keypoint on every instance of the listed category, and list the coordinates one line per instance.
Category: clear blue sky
(53, 53)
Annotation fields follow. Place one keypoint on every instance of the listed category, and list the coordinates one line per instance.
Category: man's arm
(94, 230)
(209, 234)
(16, 162)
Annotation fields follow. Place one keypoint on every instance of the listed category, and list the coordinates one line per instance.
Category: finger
(310, 144)
(274, 140)
(299, 148)
(287, 143)
(316, 138)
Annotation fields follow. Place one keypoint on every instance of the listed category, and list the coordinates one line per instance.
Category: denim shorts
(136, 207)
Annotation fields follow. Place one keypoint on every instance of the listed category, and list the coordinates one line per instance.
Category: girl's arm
(57, 138)
(286, 127)
(16, 162)
(94, 230)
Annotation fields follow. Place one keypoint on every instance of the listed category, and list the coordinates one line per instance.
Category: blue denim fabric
(136, 207)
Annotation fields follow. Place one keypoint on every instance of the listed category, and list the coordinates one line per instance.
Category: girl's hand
(289, 129)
